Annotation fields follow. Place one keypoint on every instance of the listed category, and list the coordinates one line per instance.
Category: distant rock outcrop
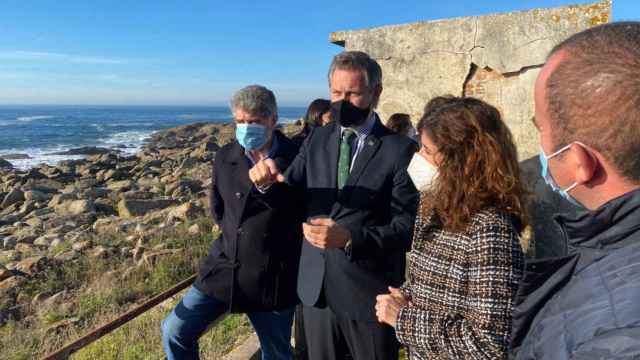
(15, 157)
(4, 164)
(86, 150)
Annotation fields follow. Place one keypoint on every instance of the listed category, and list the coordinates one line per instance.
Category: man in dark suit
(361, 206)
(252, 268)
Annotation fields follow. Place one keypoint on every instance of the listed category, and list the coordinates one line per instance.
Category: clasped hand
(388, 306)
(325, 233)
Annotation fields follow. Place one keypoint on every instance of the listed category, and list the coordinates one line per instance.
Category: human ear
(376, 96)
(586, 164)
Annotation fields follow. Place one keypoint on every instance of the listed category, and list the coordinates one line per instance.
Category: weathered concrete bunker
(493, 57)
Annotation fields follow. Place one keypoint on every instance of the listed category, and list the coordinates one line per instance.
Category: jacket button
(238, 195)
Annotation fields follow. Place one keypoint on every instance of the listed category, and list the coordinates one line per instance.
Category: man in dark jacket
(361, 206)
(587, 99)
(253, 266)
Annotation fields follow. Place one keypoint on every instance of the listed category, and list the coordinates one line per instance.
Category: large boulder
(61, 198)
(48, 186)
(74, 221)
(85, 183)
(48, 240)
(27, 207)
(11, 285)
(187, 211)
(95, 193)
(5, 273)
(38, 196)
(32, 265)
(105, 207)
(128, 208)
(123, 185)
(106, 225)
(8, 242)
(13, 197)
(137, 195)
(115, 174)
(186, 185)
(27, 234)
(75, 207)
(33, 174)
(12, 210)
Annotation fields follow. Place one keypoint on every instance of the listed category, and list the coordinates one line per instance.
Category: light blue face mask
(546, 174)
(251, 136)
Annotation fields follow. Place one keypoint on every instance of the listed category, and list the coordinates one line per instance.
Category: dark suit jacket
(378, 205)
(253, 266)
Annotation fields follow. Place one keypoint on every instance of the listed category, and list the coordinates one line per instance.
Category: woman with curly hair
(466, 259)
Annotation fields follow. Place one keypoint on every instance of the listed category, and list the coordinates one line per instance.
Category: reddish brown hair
(478, 166)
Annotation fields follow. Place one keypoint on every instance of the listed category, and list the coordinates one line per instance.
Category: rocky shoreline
(163, 185)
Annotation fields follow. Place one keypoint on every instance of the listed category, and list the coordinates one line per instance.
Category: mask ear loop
(559, 151)
(570, 187)
(575, 184)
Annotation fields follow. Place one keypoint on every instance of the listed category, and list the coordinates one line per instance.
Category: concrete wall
(494, 57)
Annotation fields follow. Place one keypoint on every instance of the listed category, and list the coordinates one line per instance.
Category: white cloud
(52, 56)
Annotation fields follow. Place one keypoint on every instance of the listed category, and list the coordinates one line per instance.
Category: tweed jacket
(460, 288)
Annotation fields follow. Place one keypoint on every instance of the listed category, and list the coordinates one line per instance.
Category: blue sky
(196, 52)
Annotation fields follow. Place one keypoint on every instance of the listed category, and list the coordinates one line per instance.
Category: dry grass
(100, 292)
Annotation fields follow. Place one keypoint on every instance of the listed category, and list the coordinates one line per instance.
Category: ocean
(39, 131)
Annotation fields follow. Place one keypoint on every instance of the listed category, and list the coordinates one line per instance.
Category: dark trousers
(300, 350)
(330, 337)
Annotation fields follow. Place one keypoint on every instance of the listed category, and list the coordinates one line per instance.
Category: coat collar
(607, 227)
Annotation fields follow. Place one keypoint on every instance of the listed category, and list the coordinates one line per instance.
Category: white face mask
(421, 172)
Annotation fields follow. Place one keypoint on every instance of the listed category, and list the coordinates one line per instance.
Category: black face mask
(347, 114)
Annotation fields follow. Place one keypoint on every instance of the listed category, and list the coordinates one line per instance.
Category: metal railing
(74, 346)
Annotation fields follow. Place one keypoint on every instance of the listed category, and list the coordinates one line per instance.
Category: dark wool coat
(253, 266)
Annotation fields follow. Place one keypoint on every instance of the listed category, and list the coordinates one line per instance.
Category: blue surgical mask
(251, 136)
(546, 175)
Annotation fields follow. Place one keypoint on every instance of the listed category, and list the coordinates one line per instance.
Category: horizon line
(135, 105)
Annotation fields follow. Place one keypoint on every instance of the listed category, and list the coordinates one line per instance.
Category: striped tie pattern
(344, 160)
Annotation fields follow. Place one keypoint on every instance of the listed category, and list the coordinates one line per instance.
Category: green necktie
(344, 160)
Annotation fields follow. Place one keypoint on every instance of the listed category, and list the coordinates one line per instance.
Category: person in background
(466, 260)
(318, 115)
(361, 206)
(252, 268)
(401, 123)
(587, 110)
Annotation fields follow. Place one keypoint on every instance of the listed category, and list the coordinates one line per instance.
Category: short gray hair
(358, 60)
(256, 100)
